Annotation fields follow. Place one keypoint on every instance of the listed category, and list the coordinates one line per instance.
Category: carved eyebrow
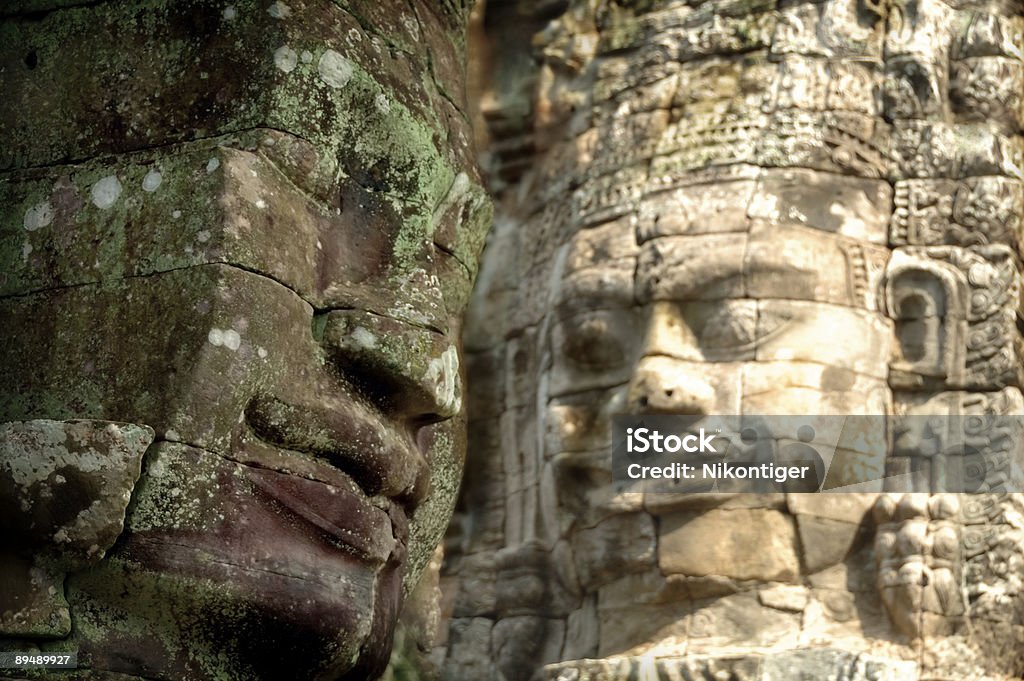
(593, 288)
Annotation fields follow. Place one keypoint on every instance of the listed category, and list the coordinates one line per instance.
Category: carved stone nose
(664, 385)
(408, 371)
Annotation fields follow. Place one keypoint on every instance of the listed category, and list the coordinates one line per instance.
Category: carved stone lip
(347, 438)
(342, 513)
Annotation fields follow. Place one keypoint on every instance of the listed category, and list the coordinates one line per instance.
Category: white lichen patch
(412, 26)
(459, 192)
(157, 465)
(212, 165)
(176, 215)
(363, 338)
(261, 352)
(227, 338)
(38, 216)
(37, 455)
(443, 372)
(279, 10)
(286, 59)
(230, 13)
(26, 250)
(335, 70)
(307, 57)
(382, 103)
(203, 236)
(151, 182)
(261, 204)
(106, 192)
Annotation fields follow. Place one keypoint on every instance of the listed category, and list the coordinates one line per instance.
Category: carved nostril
(665, 385)
(408, 372)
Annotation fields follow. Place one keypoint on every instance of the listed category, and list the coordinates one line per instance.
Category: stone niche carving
(974, 445)
(955, 311)
(971, 212)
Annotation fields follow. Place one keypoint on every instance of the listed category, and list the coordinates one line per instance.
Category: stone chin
(293, 578)
(267, 625)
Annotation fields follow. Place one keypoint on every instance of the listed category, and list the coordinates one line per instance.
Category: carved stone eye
(730, 329)
(593, 344)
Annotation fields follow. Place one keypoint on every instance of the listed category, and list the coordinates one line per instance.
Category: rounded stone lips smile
(343, 513)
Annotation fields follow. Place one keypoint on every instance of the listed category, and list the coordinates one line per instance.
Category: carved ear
(64, 490)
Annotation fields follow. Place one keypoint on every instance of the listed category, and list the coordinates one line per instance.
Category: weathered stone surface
(64, 489)
(469, 650)
(48, 463)
(791, 330)
(955, 312)
(740, 621)
(738, 543)
(250, 228)
(805, 388)
(825, 542)
(849, 206)
(620, 544)
(665, 385)
(784, 597)
(734, 208)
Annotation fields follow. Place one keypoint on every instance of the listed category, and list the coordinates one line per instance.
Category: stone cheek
(53, 519)
(744, 544)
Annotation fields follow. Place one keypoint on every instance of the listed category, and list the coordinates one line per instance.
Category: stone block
(788, 597)
(987, 89)
(685, 268)
(922, 149)
(601, 245)
(700, 208)
(790, 330)
(793, 262)
(825, 542)
(848, 36)
(469, 651)
(616, 546)
(633, 627)
(802, 388)
(846, 508)
(853, 207)
(520, 644)
(739, 543)
(582, 631)
(972, 212)
(740, 621)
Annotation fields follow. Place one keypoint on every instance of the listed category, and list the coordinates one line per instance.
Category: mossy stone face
(251, 228)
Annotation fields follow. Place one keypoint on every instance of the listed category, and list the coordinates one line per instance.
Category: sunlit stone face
(716, 314)
(267, 277)
(768, 210)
